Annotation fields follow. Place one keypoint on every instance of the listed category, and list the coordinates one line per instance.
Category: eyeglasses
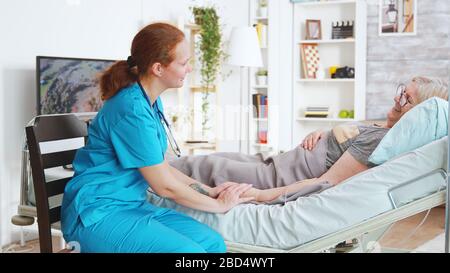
(173, 144)
(401, 92)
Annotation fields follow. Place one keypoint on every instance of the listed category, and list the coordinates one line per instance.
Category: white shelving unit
(269, 51)
(337, 94)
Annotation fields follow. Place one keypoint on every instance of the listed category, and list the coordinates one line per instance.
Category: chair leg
(21, 221)
(22, 237)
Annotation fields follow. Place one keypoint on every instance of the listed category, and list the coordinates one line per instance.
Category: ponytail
(115, 78)
(154, 43)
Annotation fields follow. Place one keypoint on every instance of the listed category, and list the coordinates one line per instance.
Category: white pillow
(421, 125)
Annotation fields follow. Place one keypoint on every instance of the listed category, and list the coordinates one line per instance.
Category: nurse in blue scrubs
(104, 207)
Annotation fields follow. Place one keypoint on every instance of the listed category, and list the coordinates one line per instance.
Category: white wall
(76, 28)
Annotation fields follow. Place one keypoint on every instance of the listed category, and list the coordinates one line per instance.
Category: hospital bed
(361, 207)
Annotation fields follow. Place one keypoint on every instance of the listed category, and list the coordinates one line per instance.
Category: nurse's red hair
(155, 43)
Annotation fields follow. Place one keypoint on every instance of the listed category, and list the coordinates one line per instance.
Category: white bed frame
(367, 227)
(355, 231)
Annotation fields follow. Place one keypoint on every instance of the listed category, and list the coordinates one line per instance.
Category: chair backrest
(50, 128)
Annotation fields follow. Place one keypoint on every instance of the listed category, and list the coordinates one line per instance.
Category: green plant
(211, 54)
(261, 73)
(263, 3)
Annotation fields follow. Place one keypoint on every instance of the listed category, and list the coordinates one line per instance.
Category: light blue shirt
(125, 135)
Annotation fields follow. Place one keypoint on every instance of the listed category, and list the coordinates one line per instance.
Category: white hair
(430, 87)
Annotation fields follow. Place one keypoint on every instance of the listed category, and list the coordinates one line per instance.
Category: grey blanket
(263, 173)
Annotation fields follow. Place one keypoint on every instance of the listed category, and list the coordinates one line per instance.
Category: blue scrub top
(125, 135)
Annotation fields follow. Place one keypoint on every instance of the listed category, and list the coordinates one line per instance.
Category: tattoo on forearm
(198, 188)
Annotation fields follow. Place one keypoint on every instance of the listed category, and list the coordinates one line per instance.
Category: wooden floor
(33, 246)
(396, 237)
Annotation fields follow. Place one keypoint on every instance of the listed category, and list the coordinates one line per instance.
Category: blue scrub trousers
(147, 229)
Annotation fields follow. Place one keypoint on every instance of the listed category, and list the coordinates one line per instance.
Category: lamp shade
(244, 48)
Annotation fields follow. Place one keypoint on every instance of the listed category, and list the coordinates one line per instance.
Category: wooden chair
(50, 128)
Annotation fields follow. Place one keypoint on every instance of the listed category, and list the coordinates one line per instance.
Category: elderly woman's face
(406, 99)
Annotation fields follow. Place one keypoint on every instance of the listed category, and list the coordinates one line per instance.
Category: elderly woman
(322, 160)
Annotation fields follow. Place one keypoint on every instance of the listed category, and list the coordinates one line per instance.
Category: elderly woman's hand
(234, 195)
(397, 107)
(311, 140)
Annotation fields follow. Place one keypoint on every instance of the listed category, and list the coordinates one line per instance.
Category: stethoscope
(174, 146)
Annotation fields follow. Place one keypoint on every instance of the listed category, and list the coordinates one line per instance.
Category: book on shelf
(260, 106)
(316, 114)
(317, 111)
(317, 108)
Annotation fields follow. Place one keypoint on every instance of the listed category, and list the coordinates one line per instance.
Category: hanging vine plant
(210, 54)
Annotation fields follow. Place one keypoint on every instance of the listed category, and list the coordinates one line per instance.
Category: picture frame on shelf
(310, 59)
(397, 17)
(313, 29)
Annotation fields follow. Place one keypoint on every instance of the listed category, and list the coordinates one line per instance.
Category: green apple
(343, 114)
(351, 114)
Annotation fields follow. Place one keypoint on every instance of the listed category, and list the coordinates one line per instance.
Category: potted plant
(263, 8)
(210, 55)
(261, 77)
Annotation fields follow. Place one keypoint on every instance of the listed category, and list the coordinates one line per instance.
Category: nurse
(104, 206)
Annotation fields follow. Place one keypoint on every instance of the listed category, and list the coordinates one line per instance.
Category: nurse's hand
(311, 140)
(231, 196)
(214, 192)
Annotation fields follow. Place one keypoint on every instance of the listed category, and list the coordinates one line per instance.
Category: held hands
(311, 140)
(230, 195)
(214, 192)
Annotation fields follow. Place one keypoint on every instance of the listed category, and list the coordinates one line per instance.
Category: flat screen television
(69, 85)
